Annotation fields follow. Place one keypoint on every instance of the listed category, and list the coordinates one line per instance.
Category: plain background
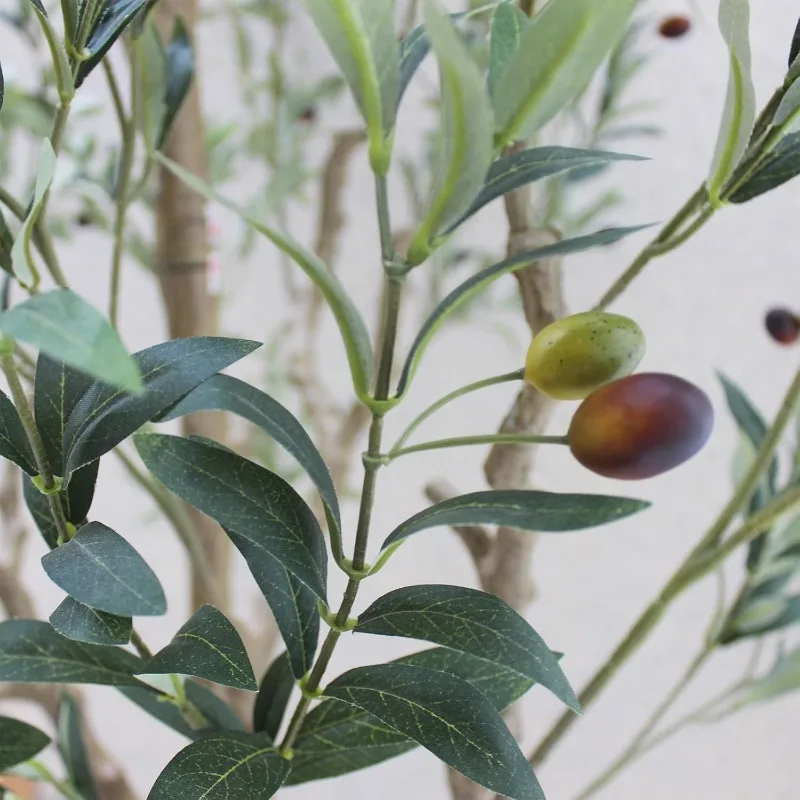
(702, 310)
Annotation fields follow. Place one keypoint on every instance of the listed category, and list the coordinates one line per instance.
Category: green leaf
(351, 324)
(104, 417)
(780, 166)
(2, 87)
(76, 501)
(483, 279)
(6, 245)
(83, 624)
(505, 34)
(207, 646)
(65, 327)
(32, 652)
(73, 748)
(113, 17)
(446, 716)
(546, 512)
(472, 622)
(519, 169)
(783, 678)
(57, 390)
(19, 742)
(468, 125)
(14, 444)
(58, 54)
(179, 77)
(225, 393)
(740, 104)
(101, 570)
(243, 497)
(360, 35)
(293, 604)
(221, 767)
(273, 697)
(768, 616)
(558, 55)
(21, 254)
(151, 80)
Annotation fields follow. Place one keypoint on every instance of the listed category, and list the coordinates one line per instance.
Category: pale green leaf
(505, 34)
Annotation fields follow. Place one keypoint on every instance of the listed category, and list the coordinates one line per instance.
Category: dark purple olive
(640, 426)
(308, 115)
(675, 27)
(782, 325)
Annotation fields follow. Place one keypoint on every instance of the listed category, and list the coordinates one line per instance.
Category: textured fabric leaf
(273, 696)
(14, 443)
(72, 746)
(83, 624)
(19, 742)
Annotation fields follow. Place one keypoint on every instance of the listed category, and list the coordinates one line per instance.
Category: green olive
(574, 356)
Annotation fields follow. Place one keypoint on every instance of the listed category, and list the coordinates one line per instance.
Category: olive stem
(703, 559)
(467, 441)
(449, 398)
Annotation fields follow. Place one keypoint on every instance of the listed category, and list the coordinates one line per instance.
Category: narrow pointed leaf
(101, 570)
(293, 604)
(468, 125)
(273, 697)
(519, 169)
(226, 393)
(221, 767)
(243, 497)
(83, 624)
(72, 745)
(32, 652)
(351, 324)
(19, 742)
(558, 55)
(446, 716)
(783, 678)
(472, 622)
(151, 83)
(505, 34)
(781, 614)
(180, 73)
(104, 417)
(781, 165)
(14, 444)
(21, 253)
(65, 327)
(207, 646)
(740, 104)
(483, 279)
(337, 738)
(547, 512)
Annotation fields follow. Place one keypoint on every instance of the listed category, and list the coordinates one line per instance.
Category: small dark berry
(782, 325)
(83, 220)
(674, 27)
(308, 115)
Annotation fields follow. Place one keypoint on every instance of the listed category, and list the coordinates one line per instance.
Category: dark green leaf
(207, 646)
(795, 48)
(14, 444)
(244, 766)
(483, 279)
(547, 512)
(65, 327)
(180, 73)
(2, 87)
(447, 716)
(83, 624)
(519, 169)
(104, 416)
(114, 17)
(73, 748)
(57, 390)
(19, 742)
(32, 652)
(778, 614)
(273, 696)
(242, 497)
(101, 570)
(293, 604)
(6, 244)
(75, 500)
(472, 622)
(230, 394)
(778, 167)
(507, 25)
(216, 711)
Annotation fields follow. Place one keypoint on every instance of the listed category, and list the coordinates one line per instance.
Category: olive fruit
(640, 426)
(782, 325)
(575, 355)
(675, 26)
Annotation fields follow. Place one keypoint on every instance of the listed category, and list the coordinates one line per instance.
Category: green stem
(392, 299)
(703, 558)
(64, 787)
(467, 441)
(449, 398)
(141, 648)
